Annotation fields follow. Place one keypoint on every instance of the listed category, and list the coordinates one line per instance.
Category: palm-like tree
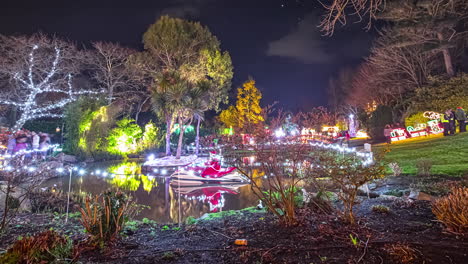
(167, 98)
(195, 103)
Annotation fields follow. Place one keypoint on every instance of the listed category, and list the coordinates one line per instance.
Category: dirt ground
(408, 233)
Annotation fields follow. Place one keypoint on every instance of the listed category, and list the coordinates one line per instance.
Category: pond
(166, 202)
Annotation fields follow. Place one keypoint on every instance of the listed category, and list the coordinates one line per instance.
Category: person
(35, 141)
(348, 136)
(449, 122)
(460, 116)
(387, 133)
(445, 124)
(20, 144)
(11, 144)
(44, 144)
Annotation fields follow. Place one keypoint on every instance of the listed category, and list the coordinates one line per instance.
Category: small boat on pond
(209, 172)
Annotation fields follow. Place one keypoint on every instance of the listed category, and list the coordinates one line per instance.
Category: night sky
(277, 42)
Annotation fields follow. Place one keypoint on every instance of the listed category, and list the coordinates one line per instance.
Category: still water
(167, 203)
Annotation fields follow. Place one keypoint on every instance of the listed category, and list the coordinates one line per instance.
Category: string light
(28, 107)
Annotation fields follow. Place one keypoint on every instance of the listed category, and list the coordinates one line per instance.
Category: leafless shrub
(16, 182)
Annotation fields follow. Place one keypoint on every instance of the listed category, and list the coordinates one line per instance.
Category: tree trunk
(140, 106)
(7, 205)
(197, 138)
(181, 137)
(447, 57)
(168, 136)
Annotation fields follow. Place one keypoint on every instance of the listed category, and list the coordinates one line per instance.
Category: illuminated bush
(151, 137)
(122, 140)
(89, 136)
(416, 119)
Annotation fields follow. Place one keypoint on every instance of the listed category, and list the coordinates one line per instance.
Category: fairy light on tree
(41, 92)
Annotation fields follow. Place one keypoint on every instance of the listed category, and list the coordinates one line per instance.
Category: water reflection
(168, 203)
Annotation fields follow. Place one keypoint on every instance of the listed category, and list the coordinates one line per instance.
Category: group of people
(25, 141)
(450, 118)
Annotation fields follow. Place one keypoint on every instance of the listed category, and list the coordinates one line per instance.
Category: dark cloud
(185, 8)
(303, 44)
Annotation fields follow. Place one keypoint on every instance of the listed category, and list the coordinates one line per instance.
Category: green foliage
(196, 75)
(277, 198)
(394, 192)
(190, 220)
(442, 94)
(151, 137)
(132, 225)
(354, 240)
(94, 128)
(212, 216)
(43, 126)
(122, 140)
(416, 119)
(148, 221)
(45, 247)
(378, 119)
(76, 115)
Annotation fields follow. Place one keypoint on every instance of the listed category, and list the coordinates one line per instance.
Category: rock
(413, 194)
(388, 197)
(421, 196)
(204, 216)
(50, 165)
(62, 157)
(425, 197)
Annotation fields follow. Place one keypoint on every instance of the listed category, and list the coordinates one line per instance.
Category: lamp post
(70, 171)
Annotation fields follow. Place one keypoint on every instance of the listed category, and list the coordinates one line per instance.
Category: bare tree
(435, 25)
(113, 70)
(337, 12)
(18, 182)
(40, 73)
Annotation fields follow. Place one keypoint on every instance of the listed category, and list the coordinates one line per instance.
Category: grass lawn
(449, 155)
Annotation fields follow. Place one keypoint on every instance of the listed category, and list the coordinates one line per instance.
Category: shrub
(452, 210)
(382, 209)
(424, 167)
(379, 118)
(104, 216)
(347, 172)
(402, 253)
(190, 220)
(396, 169)
(122, 140)
(279, 191)
(416, 119)
(46, 247)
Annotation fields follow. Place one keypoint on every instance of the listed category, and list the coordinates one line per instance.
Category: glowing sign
(397, 134)
(420, 130)
(431, 115)
(434, 126)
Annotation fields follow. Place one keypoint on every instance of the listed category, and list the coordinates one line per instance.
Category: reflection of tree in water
(188, 207)
(127, 177)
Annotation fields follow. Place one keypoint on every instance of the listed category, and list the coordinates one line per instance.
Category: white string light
(29, 108)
